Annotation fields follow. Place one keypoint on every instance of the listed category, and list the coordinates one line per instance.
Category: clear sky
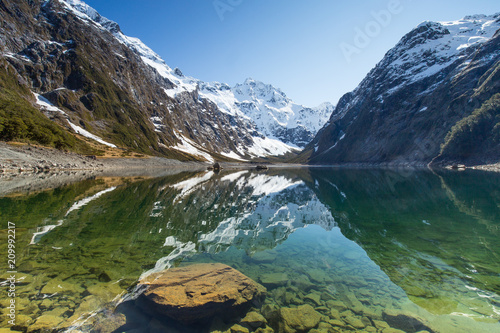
(313, 50)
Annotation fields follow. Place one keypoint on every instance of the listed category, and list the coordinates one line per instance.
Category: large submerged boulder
(196, 292)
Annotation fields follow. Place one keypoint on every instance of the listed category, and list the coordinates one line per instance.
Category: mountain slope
(113, 90)
(274, 114)
(437, 75)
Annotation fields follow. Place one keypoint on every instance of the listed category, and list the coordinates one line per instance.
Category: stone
(392, 330)
(267, 329)
(272, 280)
(337, 322)
(354, 322)
(254, 320)
(189, 294)
(105, 291)
(325, 327)
(338, 305)
(45, 323)
(352, 255)
(238, 329)
(405, 321)
(61, 287)
(22, 323)
(303, 283)
(57, 311)
(318, 275)
(380, 324)
(334, 313)
(88, 305)
(314, 297)
(111, 323)
(301, 319)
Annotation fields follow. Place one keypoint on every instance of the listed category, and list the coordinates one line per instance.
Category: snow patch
(46, 105)
(89, 135)
(188, 146)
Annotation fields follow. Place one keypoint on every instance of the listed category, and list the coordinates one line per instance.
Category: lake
(370, 250)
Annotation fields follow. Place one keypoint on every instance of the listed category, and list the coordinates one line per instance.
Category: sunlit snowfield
(360, 246)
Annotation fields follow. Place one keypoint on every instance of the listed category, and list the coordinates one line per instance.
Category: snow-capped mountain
(99, 83)
(274, 114)
(414, 100)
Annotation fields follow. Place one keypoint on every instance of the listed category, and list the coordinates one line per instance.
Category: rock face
(193, 293)
(406, 108)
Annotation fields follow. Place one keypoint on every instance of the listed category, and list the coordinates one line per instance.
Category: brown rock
(199, 291)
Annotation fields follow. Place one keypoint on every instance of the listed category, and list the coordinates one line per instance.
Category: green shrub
(480, 129)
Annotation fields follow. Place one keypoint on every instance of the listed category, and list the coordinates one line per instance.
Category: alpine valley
(64, 59)
(71, 79)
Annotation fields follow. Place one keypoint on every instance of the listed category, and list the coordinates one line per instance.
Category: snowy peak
(252, 90)
(273, 114)
(433, 46)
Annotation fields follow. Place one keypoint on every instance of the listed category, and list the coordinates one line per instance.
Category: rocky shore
(25, 168)
(28, 158)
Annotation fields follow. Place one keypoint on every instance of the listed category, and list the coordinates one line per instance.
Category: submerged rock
(300, 319)
(192, 293)
(405, 321)
(254, 320)
(45, 324)
(274, 279)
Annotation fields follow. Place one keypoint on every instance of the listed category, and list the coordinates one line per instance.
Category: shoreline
(30, 159)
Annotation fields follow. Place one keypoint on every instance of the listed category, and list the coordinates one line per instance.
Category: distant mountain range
(71, 79)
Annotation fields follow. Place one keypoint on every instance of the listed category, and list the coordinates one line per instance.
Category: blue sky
(312, 50)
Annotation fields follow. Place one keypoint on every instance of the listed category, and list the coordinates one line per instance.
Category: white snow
(181, 250)
(89, 135)
(46, 105)
(267, 147)
(234, 156)
(190, 147)
(266, 106)
(411, 63)
(157, 123)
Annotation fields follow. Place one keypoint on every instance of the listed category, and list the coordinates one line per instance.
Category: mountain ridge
(401, 112)
(98, 82)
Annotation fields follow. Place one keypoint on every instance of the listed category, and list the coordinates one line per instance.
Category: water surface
(357, 245)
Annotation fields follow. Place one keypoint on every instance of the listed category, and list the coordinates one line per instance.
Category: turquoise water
(367, 249)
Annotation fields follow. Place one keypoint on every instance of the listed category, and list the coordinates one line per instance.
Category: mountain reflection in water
(419, 242)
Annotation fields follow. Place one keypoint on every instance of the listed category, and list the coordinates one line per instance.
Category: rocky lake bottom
(337, 250)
